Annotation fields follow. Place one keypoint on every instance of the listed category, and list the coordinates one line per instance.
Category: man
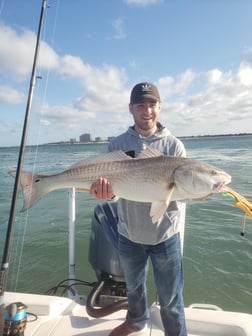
(139, 238)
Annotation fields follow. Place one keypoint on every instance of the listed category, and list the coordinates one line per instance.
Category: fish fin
(158, 208)
(31, 188)
(105, 157)
(148, 152)
(170, 192)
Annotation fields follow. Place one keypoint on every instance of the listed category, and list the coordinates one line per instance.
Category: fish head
(197, 179)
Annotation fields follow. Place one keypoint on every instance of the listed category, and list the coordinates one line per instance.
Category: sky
(198, 53)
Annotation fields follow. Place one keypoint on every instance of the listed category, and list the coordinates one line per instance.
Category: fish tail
(32, 188)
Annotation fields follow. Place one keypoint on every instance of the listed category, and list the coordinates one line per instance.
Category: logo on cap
(146, 87)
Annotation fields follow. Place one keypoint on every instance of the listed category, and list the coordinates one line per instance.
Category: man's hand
(102, 189)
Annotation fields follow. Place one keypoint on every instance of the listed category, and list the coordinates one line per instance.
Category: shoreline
(179, 137)
(66, 143)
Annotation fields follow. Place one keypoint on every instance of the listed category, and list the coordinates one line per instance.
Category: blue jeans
(168, 273)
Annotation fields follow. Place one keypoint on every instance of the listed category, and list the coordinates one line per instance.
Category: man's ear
(130, 107)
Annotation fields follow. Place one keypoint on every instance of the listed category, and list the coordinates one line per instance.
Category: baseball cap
(143, 91)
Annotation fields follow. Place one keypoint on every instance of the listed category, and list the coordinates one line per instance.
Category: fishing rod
(12, 215)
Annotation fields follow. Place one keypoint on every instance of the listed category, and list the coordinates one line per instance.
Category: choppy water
(217, 260)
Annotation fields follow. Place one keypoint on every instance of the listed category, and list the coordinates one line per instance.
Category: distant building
(85, 137)
(98, 139)
(110, 138)
(73, 140)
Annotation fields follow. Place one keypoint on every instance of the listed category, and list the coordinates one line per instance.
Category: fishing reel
(15, 318)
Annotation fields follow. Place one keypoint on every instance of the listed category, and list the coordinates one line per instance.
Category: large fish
(151, 177)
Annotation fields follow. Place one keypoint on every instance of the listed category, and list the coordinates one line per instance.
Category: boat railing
(71, 239)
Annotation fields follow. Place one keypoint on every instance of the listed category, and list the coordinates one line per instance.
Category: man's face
(145, 115)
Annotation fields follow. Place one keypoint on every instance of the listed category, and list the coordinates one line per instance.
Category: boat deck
(58, 316)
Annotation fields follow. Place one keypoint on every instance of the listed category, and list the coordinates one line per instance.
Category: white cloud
(104, 88)
(48, 59)
(72, 66)
(214, 75)
(10, 95)
(192, 103)
(60, 113)
(21, 46)
(245, 74)
(170, 86)
(222, 102)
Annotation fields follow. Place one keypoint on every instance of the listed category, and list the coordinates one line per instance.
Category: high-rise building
(85, 137)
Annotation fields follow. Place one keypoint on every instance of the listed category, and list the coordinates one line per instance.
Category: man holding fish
(139, 237)
(151, 189)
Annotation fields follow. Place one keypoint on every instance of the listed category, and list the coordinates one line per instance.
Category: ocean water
(217, 259)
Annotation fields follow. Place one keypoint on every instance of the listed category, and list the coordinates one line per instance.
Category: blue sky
(198, 52)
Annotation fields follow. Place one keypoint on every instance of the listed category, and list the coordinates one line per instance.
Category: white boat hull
(57, 316)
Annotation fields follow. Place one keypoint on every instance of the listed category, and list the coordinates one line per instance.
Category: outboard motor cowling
(103, 253)
(109, 293)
